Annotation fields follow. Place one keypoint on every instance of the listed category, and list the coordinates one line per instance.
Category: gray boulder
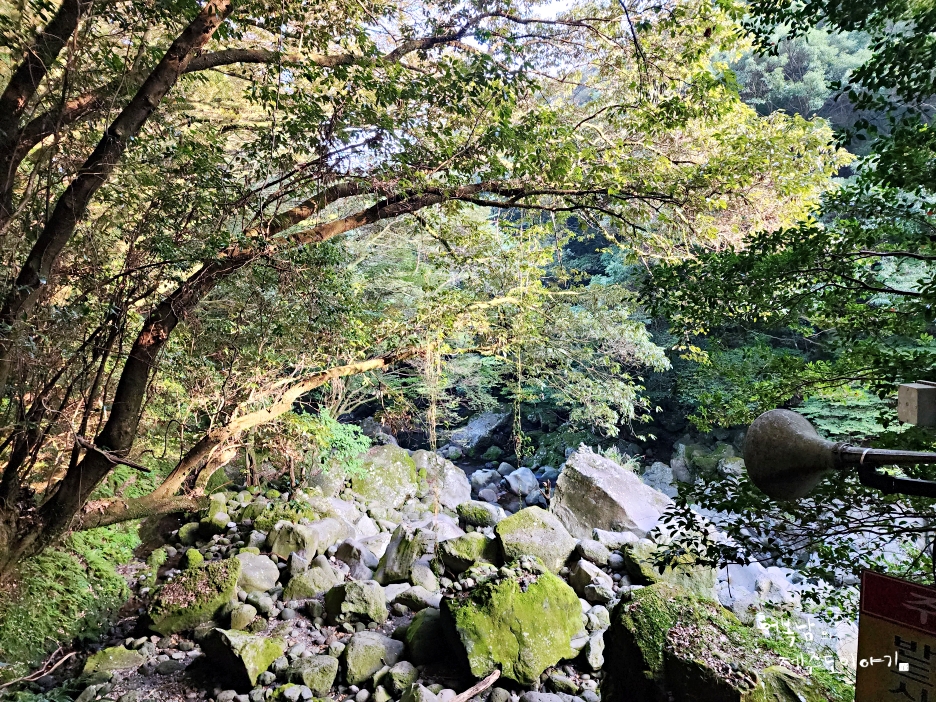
(425, 639)
(388, 476)
(318, 579)
(359, 559)
(522, 482)
(318, 673)
(478, 435)
(481, 479)
(406, 547)
(594, 492)
(659, 476)
(306, 540)
(366, 653)
(359, 601)
(594, 551)
(447, 482)
(241, 657)
(535, 532)
(480, 514)
(256, 573)
(584, 574)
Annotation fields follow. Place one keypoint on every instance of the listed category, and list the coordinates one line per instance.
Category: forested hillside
(333, 331)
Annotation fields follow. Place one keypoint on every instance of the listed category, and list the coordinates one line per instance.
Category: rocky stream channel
(414, 581)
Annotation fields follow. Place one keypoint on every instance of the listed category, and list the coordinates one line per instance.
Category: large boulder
(461, 553)
(666, 644)
(366, 653)
(535, 532)
(447, 482)
(306, 540)
(641, 563)
(480, 432)
(358, 558)
(406, 546)
(318, 579)
(239, 658)
(594, 492)
(388, 476)
(195, 597)
(521, 624)
(256, 573)
(357, 601)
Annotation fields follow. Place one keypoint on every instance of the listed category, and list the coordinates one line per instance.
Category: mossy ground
(61, 595)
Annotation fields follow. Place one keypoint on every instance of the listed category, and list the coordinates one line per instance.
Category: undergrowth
(61, 595)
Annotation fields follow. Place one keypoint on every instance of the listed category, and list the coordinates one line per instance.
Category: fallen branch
(113, 458)
(39, 673)
(479, 686)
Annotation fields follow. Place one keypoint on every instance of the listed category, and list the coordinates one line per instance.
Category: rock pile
(405, 588)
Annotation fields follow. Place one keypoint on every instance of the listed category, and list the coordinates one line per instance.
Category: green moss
(462, 552)
(641, 566)
(665, 640)
(521, 625)
(474, 514)
(188, 533)
(291, 511)
(195, 597)
(193, 558)
(242, 656)
(114, 658)
(61, 595)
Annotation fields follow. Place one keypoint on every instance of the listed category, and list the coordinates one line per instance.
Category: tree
(845, 299)
(153, 157)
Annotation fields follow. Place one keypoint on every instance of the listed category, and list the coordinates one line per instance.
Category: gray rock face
(594, 492)
(522, 482)
(659, 476)
(614, 540)
(478, 435)
(368, 652)
(535, 532)
(447, 482)
(256, 573)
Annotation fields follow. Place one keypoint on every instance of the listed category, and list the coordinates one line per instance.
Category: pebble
(169, 667)
(287, 613)
(362, 696)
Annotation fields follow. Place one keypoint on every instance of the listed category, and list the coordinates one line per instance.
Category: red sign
(896, 641)
(898, 601)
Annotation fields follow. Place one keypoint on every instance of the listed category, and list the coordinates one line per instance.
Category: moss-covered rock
(194, 597)
(424, 638)
(665, 643)
(318, 579)
(368, 652)
(360, 601)
(113, 658)
(241, 657)
(521, 624)
(306, 540)
(317, 673)
(192, 558)
(388, 476)
(686, 574)
(462, 552)
(480, 514)
(188, 533)
(406, 546)
(705, 459)
(535, 532)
